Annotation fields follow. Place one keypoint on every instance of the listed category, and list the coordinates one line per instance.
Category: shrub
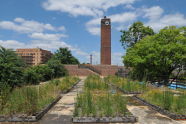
(58, 69)
(31, 76)
(44, 72)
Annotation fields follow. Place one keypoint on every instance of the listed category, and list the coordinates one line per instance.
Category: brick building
(105, 41)
(34, 56)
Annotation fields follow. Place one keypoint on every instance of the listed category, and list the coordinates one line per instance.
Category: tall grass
(174, 102)
(94, 82)
(127, 85)
(31, 99)
(97, 101)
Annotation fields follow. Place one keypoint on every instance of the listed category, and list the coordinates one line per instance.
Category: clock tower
(105, 41)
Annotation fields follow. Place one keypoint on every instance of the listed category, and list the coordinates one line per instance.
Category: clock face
(107, 22)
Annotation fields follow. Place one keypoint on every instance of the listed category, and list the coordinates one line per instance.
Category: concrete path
(62, 112)
(148, 116)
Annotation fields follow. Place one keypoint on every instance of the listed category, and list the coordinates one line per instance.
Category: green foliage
(11, 67)
(36, 74)
(65, 56)
(44, 72)
(95, 82)
(91, 104)
(68, 82)
(31, 76)
(127, 85)
(31, 99)
(169, 100)
(4, 93)
(136, 32)
(156, 57)
(97, 101)
(57, 68)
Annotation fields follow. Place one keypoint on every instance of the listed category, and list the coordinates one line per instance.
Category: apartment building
(34, 56)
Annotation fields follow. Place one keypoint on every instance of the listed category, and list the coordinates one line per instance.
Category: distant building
(34, 56)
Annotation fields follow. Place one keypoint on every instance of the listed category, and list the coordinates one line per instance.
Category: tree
(58, 70)
(65, 57)
(156, 57)
(31, 76)
(35, 74)
(44, 72)
(136, 32)
(11, 67)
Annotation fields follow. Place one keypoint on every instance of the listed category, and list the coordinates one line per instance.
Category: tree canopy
(135, 33)
(65, 56)
(11, 67)
(156, 57)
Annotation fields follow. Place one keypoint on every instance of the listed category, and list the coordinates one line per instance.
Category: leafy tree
(58, 69)
(156, 57)
(136, 32)
(65, 56)
(31, 76)
(44, 72)
(11, 67)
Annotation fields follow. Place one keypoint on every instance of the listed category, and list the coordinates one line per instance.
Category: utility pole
(91, 59)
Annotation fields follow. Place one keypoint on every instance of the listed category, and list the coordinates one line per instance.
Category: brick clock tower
(105, 41)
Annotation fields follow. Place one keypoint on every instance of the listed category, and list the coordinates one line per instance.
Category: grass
(97, 101)
(28, 100)
(94, 82)
(171, 101)
(127, 85)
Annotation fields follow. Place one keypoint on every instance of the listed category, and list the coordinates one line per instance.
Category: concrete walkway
(62, 112)
(148, 116)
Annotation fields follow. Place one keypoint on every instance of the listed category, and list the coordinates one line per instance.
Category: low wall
(125, 119)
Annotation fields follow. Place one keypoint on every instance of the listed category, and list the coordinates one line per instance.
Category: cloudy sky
(50, 24)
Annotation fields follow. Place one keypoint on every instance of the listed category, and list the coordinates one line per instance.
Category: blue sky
(50, 24)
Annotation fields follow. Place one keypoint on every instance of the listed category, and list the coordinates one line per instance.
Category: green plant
(31, 99)
(11, 67)
(4, 93)
(96, 100)
(126, 84)
(31, 77)
(95, 82)
(167, 99)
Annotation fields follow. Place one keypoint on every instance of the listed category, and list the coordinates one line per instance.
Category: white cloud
(93, 26)
(12, 44)
(62, 28)
(45, 37)
(123, 17)
(27, 26)
(153, 13)
(84, 7)
(129, 6)
(158, 20)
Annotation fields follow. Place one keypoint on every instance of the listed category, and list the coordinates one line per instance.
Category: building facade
(105, 41)
(34, 56)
